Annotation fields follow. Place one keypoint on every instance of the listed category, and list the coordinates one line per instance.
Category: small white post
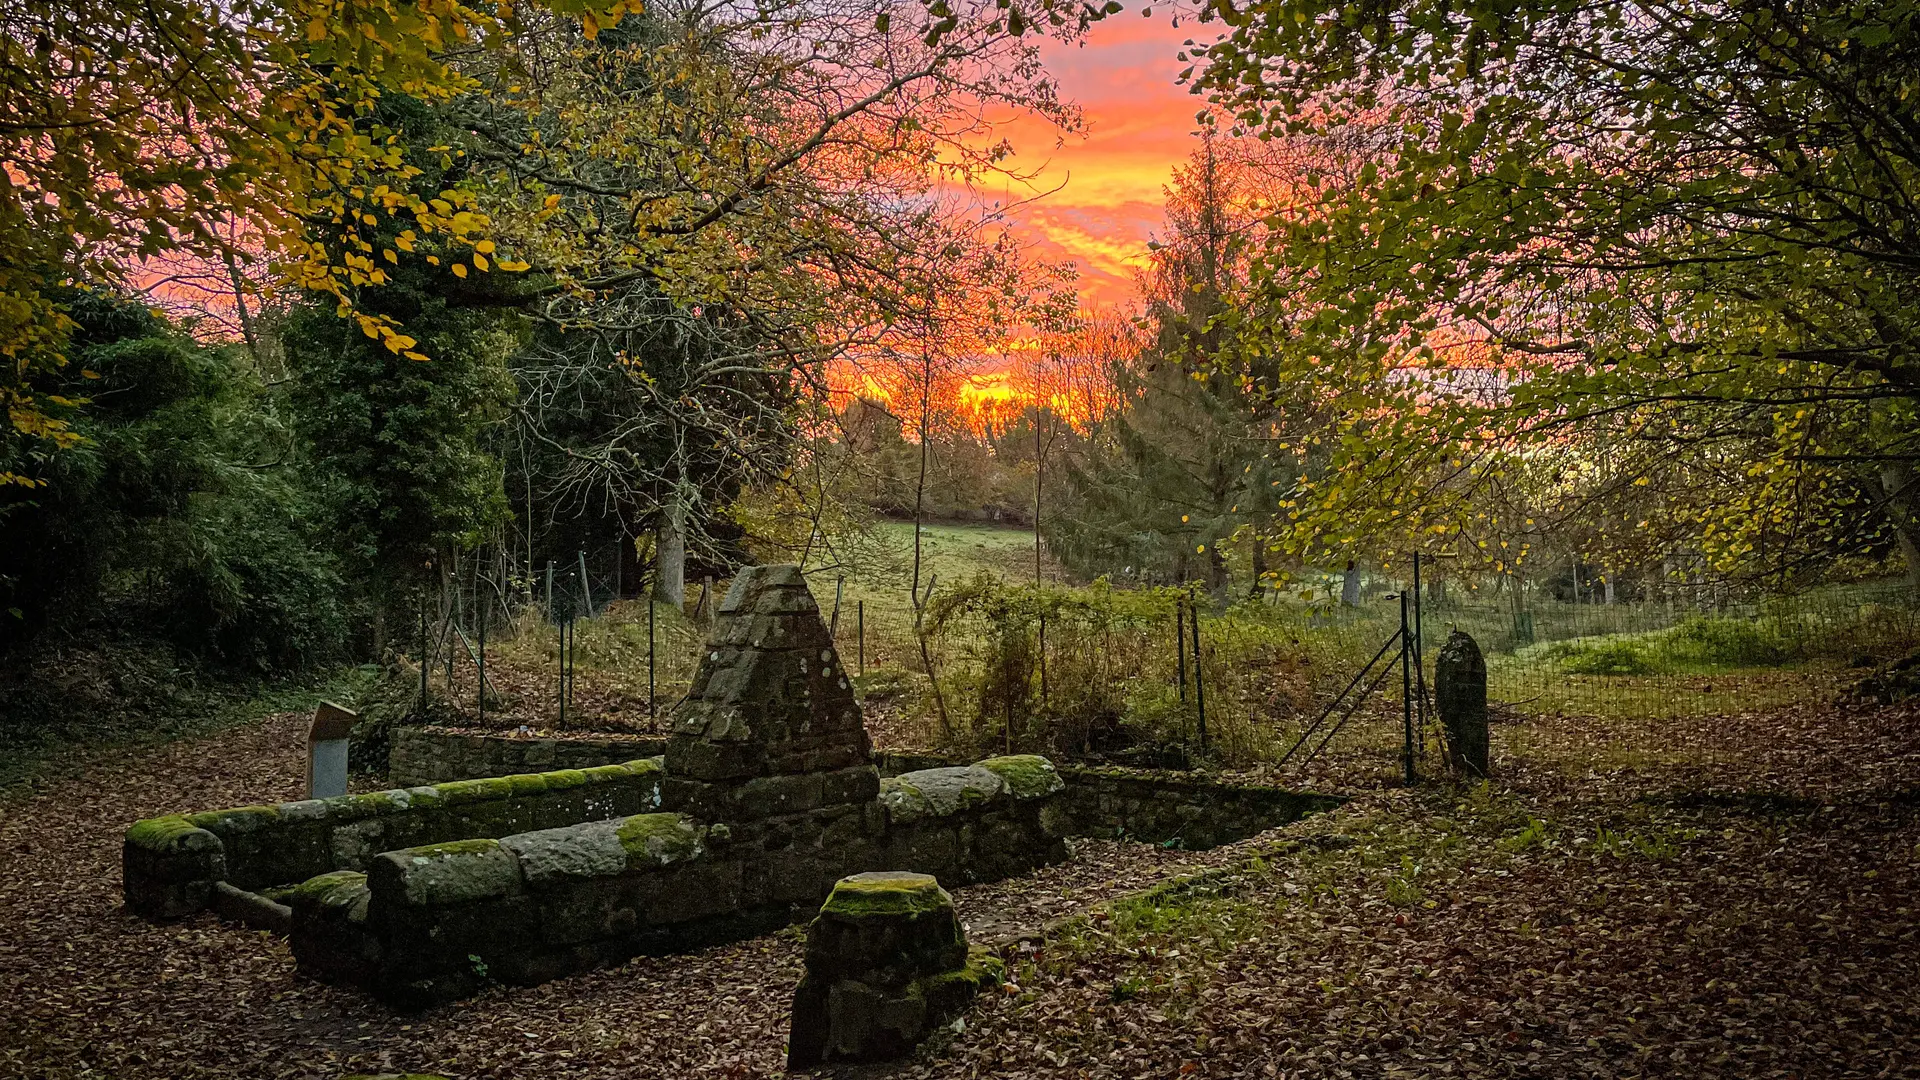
(327, 750)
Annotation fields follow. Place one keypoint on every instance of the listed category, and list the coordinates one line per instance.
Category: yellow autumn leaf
(459, 271)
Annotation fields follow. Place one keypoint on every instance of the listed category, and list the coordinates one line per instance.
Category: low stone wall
(972, 823)
(429, 756)
(171, 864)
(1155, 807)
(434, 923)
(1161, 808)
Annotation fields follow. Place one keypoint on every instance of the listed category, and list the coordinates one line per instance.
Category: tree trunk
(670, 553)
(1259, 554)
(1902, 497)
(1350, 586)
(1039, 476)
(380, 628)
(920, 479)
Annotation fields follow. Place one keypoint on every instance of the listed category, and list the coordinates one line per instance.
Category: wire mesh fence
(1174, 677)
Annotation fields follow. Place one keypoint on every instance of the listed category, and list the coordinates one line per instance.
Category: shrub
(1616, 656)
(1725, 642)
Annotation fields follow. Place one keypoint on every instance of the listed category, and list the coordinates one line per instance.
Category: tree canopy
(1659, 257)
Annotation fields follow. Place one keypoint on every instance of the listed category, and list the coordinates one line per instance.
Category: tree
(1672, 242)
(133, 130)
(1187, 462)
(178, 514)
(401, 450)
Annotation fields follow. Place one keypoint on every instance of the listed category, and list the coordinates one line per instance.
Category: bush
(1112, 683)
(1724, 642)
(1618, 656)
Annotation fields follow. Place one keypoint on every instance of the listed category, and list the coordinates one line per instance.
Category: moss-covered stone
(338, 889)
(886, 963)
(886, 893)
(240, 819)
(1028, 776)
(660, 839)
(440, 874)
(170, 835)
(950, 989)
(459, 792)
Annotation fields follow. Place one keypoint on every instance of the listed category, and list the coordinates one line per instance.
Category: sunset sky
(1139, 125)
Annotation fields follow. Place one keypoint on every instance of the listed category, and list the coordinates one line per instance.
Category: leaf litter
(1711, 896)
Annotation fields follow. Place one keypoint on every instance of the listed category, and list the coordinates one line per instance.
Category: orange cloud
(1111, 183)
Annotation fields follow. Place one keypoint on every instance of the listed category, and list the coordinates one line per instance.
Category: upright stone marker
(770, 725)
(1460, 695)
(327, 750)
(887, 964)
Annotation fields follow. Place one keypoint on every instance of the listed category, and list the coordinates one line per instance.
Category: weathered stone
(769, 691)
(250, 908)
(1460, 697)
(441, 874)
(886, 963)
(1028, 776)
(550, 856)
(940, 792)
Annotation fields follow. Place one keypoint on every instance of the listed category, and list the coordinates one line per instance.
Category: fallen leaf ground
(1728, 897)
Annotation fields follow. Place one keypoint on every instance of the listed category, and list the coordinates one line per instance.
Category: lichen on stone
(1028, 776)
(660, 839)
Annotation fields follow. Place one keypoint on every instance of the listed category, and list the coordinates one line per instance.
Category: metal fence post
(1199, 677)
(424, 647)
(481, 662)
(1406, 686)
(1180, 643)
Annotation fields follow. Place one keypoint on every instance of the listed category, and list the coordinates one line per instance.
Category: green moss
(327, 890)
(455, 792)
(238, 819)
(983, 969)
(1029, 776)
(525, 784)
(161, 834)
(452, 847)
(865, 895)
(562, 779)
(604, 773)
(661, 838)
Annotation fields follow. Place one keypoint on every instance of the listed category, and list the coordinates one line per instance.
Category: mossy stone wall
(171, 862)
(1164, 808)
(440, 921)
